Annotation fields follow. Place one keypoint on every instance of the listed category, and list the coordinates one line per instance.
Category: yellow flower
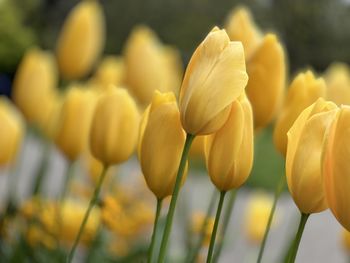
(74, 122)
(111, 71)
(81, 40)
(34, 86)
(256, 216)
(197, 223)
(267, 75)
(114, 129)
(161, 126)
(303, 159)
(214, 78)
(336, 167)
(304, 90)
(240, 26)
(197, 148)
(11, 131)
(229, 151)
(337, 78)
(150, 66)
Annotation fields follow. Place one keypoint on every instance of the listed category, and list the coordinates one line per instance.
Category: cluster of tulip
(233, 87)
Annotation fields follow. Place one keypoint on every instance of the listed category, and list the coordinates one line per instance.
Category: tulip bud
(304, 90)
(150, 66)
(303, 160)
(267, 75)
(240, 26)
(111, 71)
(34, 86)
(11, 131)
(214, 78)
(336, 168)
(229, 151)
(337, 78)
(74, 122)
(81, 40)
(161, 126)
(114, 128)
(257, 217)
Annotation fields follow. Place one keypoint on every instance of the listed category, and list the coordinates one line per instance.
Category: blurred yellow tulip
(11, 131)
(267, 76)
(304, 90)
(337, 78)
(81, 40)
(198, 219)
(161, 126)
(336, 167)
(240, 26)
(214, 78)
(74, 122)
(150, 66)
(303, 159)
(114, 129)
(229, 151)
(111, 71)
(257, 216)
(34, 86)
(197, 148)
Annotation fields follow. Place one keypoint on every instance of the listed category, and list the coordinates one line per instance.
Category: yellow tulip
(11, 131)
(303, 159)
(111, 71)
(150, 66)
(303, 91)
(336, 167)
(240, 26)
(257, 216)
(197, 223)
(197, 148)
(161, 126)
(337, 78)
(214, 78)
(81, 40)
(74, 122)
(267, 75)
(229, 151)
(114, 129)
(34, 86)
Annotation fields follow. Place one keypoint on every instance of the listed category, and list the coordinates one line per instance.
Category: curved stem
(193, 253)
(170, 216)
(278, 192)
(225, 222)
(216, 224)
(294, 250)
(92, 203)
(153, 241)
(67, 180)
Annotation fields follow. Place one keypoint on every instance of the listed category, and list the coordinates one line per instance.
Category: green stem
(193, 253)
(42, 169)
(170, 216)
(294, 250)
(215, 229)
(92, 203)
(154, 234)
(225, 223)
(67, 180)
(278, 192)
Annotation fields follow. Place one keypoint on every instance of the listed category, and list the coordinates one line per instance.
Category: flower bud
(34, 86)
(337, 78)
(161, 143)
(114, 128)
(214, 78)
(11, 131)
(81, 40)
(74, 122)
(304, 90)
(303, 160)
(336, 167)
(240, 26)
(150, 66)
(267, 75)
(229, 151)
